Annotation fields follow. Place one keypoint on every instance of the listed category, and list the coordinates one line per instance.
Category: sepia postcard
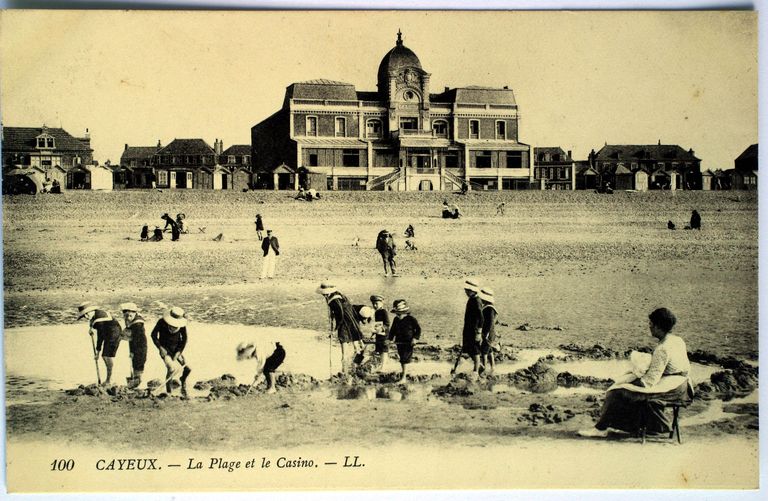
(354, 251)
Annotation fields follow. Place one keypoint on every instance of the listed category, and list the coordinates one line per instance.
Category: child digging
(405, 331)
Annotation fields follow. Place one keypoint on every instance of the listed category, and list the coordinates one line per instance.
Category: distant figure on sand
(170, 338)
(137, 341)
(271, 248)
(405, 331)
(471, 335)
(181, 221)
(342, 318)
(695, 220)
(107, 331)
(410, 244)
(144, 233)
(638, 400)
(169, 221)
(259, 226)
(157, 234)
(385, 244)
(670, 225)
(464, 187)
(500, 209)
(450, 211)
(409, 232)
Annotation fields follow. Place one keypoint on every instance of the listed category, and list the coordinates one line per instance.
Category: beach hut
(23, 182)
(623, 179)
(587, 179)
(706, 180)
(641, 180)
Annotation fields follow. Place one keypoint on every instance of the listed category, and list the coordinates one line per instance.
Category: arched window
(373, 128)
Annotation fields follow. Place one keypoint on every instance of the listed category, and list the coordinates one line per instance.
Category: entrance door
(224, 181)
(217, 178)
(425, 185)
(173, 179)
(189, 180)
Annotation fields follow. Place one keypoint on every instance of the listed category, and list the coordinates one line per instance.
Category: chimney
(506, 87)
(569, 154)
(158, 143)
(87, 133)
(659, 142)
(126, 146)
(447, 89)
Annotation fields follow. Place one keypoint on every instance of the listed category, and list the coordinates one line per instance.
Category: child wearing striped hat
(471, 335)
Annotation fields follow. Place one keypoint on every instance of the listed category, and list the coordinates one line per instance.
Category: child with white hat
(170, 337)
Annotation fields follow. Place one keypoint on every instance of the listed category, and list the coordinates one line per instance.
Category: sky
(581, 79)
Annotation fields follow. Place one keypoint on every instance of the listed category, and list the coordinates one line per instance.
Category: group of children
(169, 336)
(350, 321)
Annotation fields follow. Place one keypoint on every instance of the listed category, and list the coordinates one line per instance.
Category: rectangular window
(313, 160)
(373, 128)
(483, 159)
(311, 126)
(501, 130)
(474, 129)
(452, 159)
(514, 159)
(162, 178)
(409, 123)
(132, 162)
(49, 142)
(440, 128)
(247, 159)
(231, 159)
(341, 127)
(41, 142)
(350, 158)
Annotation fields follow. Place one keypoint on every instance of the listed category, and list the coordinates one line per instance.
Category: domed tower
(403, 85)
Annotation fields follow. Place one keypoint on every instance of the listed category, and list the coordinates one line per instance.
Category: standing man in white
(271, 249)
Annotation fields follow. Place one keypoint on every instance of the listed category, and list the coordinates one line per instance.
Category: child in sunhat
(170, 337)
(343, 318)
(405, 331)
(246, 351)
(137, 341)
(471, 335)
(107, 334)
(488, 343)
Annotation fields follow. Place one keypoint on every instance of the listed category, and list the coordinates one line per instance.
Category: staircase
(386, 179)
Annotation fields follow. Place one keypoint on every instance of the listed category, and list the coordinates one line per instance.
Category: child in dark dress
(405, 331)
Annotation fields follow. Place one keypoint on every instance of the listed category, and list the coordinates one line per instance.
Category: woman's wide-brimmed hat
(175, 317)
(129, 307)
(400, 306)
(472, 285)
(85, 308)
(326, 288)
(486, 295)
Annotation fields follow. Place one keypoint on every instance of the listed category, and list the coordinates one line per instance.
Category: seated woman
(638, 399)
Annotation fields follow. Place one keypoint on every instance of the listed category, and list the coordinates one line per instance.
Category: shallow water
(61, 356)
(715, 412)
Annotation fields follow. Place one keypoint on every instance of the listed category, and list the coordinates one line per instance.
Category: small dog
(410, 245)
(356, 242)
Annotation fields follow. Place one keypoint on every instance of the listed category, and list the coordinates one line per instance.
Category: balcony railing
(419, 134)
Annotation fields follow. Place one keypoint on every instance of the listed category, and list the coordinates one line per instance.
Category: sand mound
(729, 383)
(538, 378)
(545, 414)
(597, 352)
(568, 380)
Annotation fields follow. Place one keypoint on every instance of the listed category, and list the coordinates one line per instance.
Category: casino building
(401, 137)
